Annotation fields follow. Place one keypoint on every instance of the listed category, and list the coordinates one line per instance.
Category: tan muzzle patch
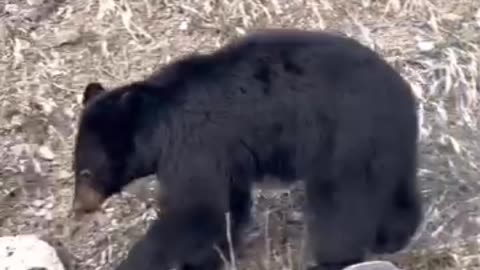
(86, 200)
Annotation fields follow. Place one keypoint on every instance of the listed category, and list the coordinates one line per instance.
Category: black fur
(288, 103)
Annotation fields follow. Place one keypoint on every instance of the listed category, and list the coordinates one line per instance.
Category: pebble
(35, 2)
(372, 265)
(38, 203)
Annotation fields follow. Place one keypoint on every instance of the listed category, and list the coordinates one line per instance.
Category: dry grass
(49, 52)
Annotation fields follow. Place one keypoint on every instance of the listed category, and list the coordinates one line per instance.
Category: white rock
(183, 26)
(35, 2)
(477, 16)
(24, 252)
(11, 8)
(372, 265)
(38, 203)
(425, 46)
(45, 152)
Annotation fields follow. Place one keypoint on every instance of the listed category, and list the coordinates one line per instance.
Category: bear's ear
(92, 90)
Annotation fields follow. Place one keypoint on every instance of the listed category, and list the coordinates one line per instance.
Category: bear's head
(105, 159)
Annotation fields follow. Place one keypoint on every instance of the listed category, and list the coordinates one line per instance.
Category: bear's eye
(85, 175)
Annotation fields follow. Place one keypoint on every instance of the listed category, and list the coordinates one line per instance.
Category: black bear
(294, 104)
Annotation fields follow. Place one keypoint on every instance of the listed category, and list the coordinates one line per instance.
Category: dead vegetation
(51, 49)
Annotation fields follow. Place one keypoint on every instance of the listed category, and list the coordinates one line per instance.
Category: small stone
(11, 9)
(64, 37)
(41, 212)
(372, 265)
(477, 16)
(38, 203)
(366, 3)
(46, 153)
(17, 120)
(240, 31)
(426, 46)
(49, 205)
(452, 17)
(35, 2)
(183, 26)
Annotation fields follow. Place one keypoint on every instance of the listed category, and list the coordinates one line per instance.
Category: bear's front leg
(186, 238)
(192, 228)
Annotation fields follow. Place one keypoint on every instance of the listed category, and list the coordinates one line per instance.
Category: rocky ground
(51, 49)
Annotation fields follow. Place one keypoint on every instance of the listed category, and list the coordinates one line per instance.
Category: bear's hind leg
(342, 216)
(341, 223)
(403, 209)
